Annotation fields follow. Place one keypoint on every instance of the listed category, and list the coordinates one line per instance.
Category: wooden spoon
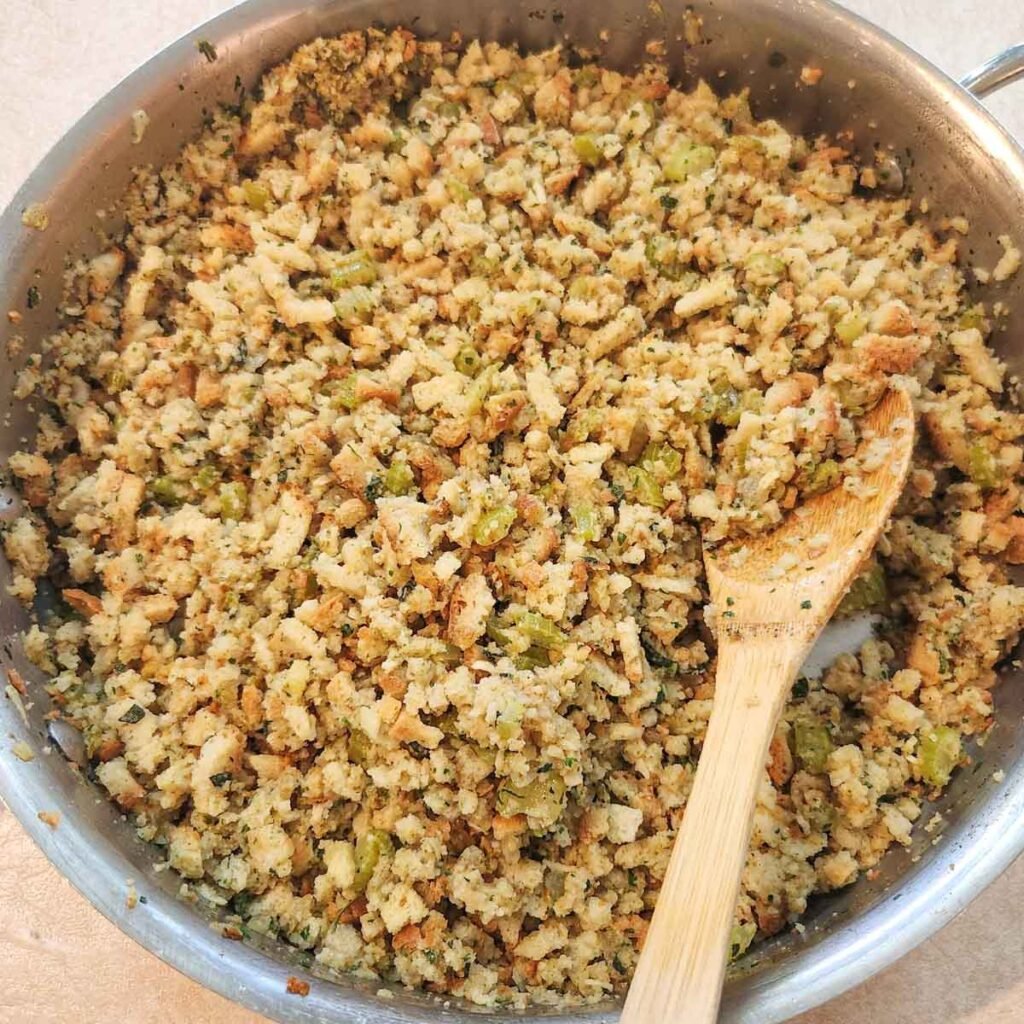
(772, 601)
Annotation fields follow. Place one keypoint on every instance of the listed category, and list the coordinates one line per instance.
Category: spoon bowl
(772, 596)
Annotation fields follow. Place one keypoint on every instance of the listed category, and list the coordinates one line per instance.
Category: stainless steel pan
(950, 150)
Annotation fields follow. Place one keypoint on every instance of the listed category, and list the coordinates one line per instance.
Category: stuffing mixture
(377, 459)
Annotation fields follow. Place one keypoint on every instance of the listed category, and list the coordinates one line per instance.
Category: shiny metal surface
(1002, 69)
(949, 150)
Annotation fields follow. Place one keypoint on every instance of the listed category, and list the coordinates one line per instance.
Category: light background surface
(60, 961)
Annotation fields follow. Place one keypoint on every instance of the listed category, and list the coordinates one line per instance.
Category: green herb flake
(374, 488)
(207, 49)
(134, 714)
(32, 297)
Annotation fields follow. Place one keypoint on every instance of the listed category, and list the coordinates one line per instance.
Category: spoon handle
(679, 976)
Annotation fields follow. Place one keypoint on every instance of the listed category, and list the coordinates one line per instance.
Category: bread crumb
(298, 987)
(35, 216)
(1009, 262)
(140, 122)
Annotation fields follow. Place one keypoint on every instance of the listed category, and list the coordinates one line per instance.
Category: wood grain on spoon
(773, 595)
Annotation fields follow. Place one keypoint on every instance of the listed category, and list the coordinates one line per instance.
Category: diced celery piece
(478, 391)
(663, 255)
(812, 804)
(484, 266)
(812, 743)
(586, 522)
(588, 149)
(540, 630)
(493, 525)
(707, 405)
(850, 328)
(662, 461)
(399, 478)
(724, 404)
(450, 655)
(973, 316)
(541, 800)
(729, 407)
(740, 453)
(168, 491)
(359, 747)
(867, 593)
(645, 489)
(370, 848)
(398, 140)
(580, 427)
(533, 657)
(344, 395)
(117, 381)
(853, 397)
(458, 190)
(631, 99)
(654, 249)
(353, 268)
(740, 938)
(747, 144)
(762, 268)
(498, 631)
(939, 752)
(580, 287)
(256, 195)
(354, 306)
(468, 361)
(206, 477)
(507, 87)
(687, 159)
(509, 722)
(522, 81)
(234, 500)
(982, 466)
(822, 476)
(449, 110)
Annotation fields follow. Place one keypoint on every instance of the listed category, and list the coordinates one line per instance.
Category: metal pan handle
(1002, 69)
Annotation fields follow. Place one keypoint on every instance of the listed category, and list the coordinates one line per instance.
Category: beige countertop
(60, 962)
